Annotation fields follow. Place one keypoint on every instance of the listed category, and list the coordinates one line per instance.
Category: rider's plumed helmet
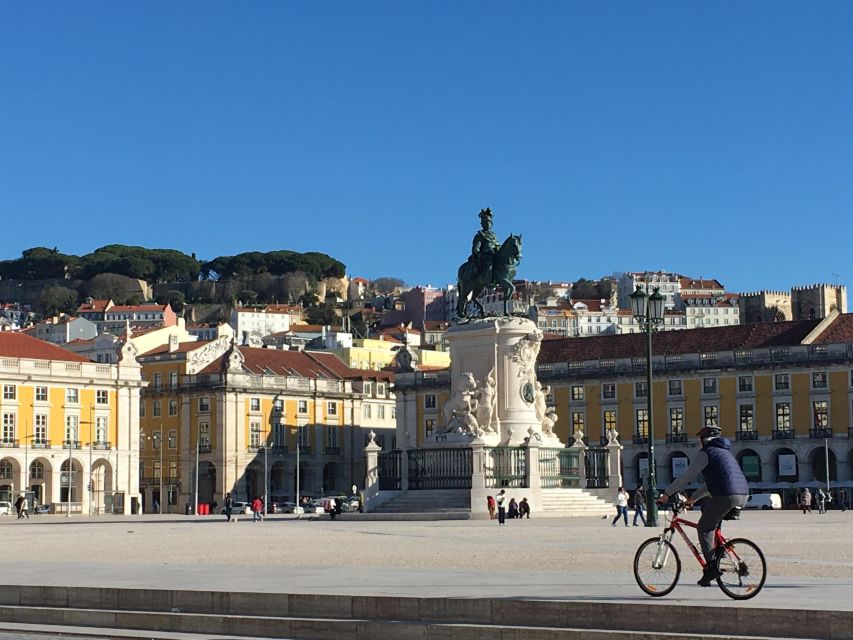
(486, 213)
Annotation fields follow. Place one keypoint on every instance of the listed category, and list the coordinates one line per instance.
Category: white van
(764, 501)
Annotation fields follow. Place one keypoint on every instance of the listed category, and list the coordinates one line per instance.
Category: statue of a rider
(485, 246)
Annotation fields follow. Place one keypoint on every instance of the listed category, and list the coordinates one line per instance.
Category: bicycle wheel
(742, 568)
(657, 567)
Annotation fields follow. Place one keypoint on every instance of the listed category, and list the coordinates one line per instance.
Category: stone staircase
(204, 615)
(448, 503)
(573, 502)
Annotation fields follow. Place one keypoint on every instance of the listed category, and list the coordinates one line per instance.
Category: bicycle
(739, 561)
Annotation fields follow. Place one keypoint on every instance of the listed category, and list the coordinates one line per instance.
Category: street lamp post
(648, 311)
(195, 501)
(160, 438)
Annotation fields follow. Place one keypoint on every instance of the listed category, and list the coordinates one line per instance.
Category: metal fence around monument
(505, 467)
(595, 463)
(440, 468)
(389, 470)
(559, 468)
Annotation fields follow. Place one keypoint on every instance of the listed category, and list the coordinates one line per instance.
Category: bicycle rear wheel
(657, 567)
(742, 568)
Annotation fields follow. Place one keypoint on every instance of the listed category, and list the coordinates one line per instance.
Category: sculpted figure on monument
(489, 265)
(486, 414)
(460, 410)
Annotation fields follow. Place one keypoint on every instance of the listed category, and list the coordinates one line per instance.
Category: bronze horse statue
(474, 281)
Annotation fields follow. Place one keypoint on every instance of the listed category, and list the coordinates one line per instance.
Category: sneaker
(613, 525)
(708, 576)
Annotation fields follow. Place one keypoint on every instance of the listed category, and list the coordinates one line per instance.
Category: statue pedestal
(494, 392)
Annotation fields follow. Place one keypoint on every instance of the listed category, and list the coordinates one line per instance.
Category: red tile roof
(705, 340)
(690, 283)
(121, 308)
(285, 363)
(841, 330)
(96, 305)
(20, 345)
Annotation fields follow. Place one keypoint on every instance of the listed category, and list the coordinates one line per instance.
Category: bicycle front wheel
(657, 567)
(742, 568)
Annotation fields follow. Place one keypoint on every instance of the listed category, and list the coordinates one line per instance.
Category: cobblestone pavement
(810, 563)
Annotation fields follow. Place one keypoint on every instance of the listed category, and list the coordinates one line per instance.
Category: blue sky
(714, 139)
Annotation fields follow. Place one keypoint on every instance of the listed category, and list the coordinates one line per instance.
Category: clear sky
(713, 139)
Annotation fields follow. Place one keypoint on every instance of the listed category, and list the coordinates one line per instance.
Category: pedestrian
(501, 501)
(257, 508)
(229, 503)
(18, 506)
(156, 506)
(331, 507)
(24, 511)
(621, 506)
(842, 499)
(524, 508)
(821, 501)
(512, 512)
(492, 507)
(639, 502)
(806, 501)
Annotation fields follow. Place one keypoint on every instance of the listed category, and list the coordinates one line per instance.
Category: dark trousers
(621, 512)
(501, 515)
(712, 515)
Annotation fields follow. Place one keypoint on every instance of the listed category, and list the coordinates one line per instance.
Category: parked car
(41, 509)
(239, 507)
(764, 501)
(5, 508)
(316, 506)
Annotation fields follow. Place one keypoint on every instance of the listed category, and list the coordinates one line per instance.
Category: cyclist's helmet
(709, 432)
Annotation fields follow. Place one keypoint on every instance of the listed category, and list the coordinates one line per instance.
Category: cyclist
(726, 483)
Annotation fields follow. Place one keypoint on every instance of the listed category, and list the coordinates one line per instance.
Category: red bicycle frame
(676, 525)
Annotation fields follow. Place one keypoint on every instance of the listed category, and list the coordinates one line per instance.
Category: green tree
(54, 300)
(174, 298)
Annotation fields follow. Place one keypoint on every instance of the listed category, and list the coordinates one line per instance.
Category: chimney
(173, 343)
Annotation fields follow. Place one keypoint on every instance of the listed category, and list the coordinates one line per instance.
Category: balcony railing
(783, 434)
(8, 444)
(204, 448)
(279, 449)
(40, 444)
(676, 437)
(824, 432)
(333, 451)
(102, 446)
(304, 450)
(746, 435)
(70, 444)
(641, 439)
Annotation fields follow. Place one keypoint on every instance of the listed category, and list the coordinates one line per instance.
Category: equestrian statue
(489, 265)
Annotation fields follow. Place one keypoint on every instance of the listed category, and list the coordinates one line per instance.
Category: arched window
(37, 470)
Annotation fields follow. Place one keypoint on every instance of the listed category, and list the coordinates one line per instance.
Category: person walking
(257, 508)
(639, 501)
(842, 500)
(24, 510)
(332, 506)
(501, 502)
(524, 508)
(806, 501)
(229, 504)
(621, 506)
(821, 501)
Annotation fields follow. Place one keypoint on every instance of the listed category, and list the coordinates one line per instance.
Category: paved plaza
(810, 563)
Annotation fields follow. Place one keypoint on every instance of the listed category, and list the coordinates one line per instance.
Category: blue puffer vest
(723, 475)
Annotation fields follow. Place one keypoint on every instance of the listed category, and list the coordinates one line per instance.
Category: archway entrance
(750, 463)
(102, 485)
(330, 478)
(278, 491)
(206, 482)
(70, 487)
(819, 461)
(9, 474)
(39, 483)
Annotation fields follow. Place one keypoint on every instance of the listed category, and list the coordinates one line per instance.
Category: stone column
(371, 478)
(614, 460)
(534, 477)
(579, 446)
(479, 492)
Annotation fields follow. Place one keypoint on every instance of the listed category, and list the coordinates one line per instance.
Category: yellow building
(777, 390)
(379, 354)
(248, 414)
(69, 427)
